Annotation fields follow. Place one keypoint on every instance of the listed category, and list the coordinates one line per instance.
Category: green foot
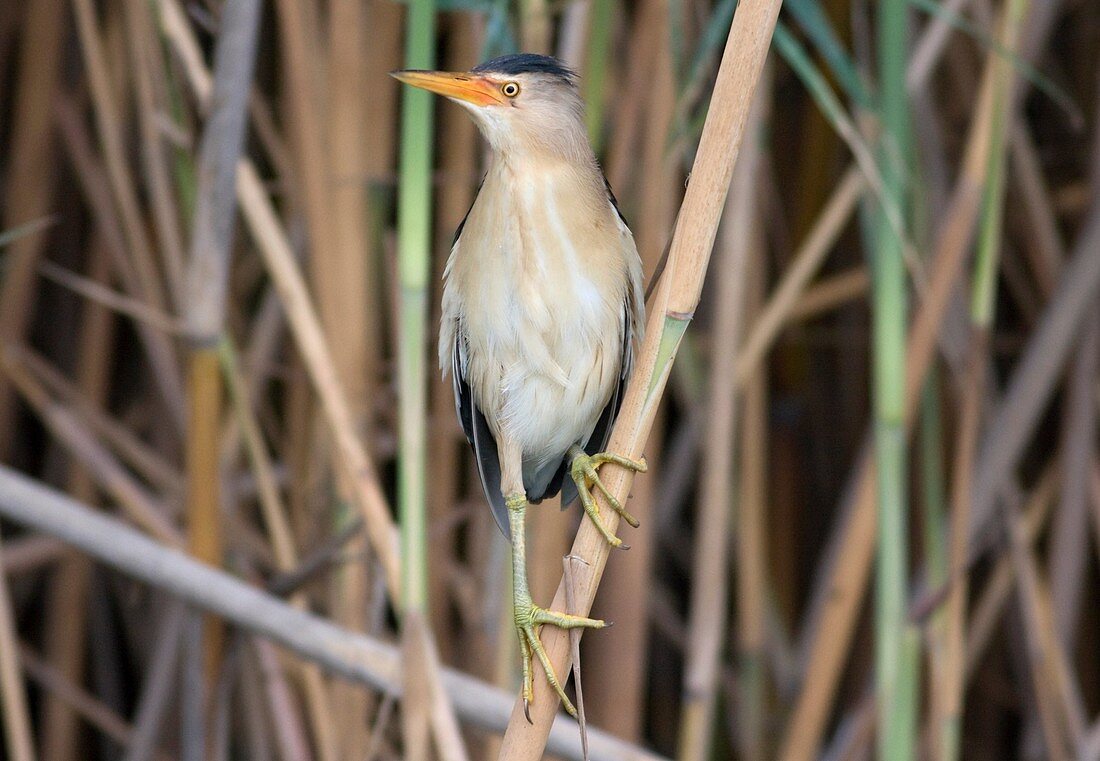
(584, 475)
(528, 618)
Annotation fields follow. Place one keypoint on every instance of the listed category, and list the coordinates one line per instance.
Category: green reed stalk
(895, 646)
(595, 70)
(414, 227)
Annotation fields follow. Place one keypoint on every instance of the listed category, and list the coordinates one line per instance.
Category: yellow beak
(470, 88)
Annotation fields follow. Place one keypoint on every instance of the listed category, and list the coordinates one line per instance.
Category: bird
(542, 311)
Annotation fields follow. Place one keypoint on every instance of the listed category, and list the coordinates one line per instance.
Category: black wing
(480, 437)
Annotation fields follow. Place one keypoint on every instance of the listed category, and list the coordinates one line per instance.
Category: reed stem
(414, 240)
(895, 644)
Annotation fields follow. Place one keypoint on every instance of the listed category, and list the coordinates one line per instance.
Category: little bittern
(541, 307)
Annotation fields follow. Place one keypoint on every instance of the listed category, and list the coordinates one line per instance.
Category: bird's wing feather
(480, 437)
(472, 419)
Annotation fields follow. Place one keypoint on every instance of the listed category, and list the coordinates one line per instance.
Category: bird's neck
(548, 143)
(577, 169)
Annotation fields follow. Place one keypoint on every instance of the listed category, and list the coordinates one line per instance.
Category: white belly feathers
(536, 287)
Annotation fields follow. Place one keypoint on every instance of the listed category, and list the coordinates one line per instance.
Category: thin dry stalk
(355, 468)
(347, 323)
(318, 704)
(30, 554)
(930, 47)
(753, 636)
(334, 212)
(137, 310)
(203, 505)
(96, 190)
(1094, 489)
(215, 200)
(575, 644)
(135, 453)
(159, 685)
(67, 609)
(206, 286)
(645, 90)
(284, 715)
(1037, 649)
(30, 171)
(140, 253)
(18, 737)
(257, 724)
(1069, 548)
(806, 263)
(949, 699)
(1037, 371)
(617, 666)
(742, 63)
(830, 293)
(383, 54)
(148, 72)
(990, 605)
(1044, 242)
(99, 462)
(86, 705)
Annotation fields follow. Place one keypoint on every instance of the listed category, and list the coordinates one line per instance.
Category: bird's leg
(584, 475)
(528, 616)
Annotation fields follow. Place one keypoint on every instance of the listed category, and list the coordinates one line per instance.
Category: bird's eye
(511, 89)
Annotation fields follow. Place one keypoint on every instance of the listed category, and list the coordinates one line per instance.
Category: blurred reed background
(897, 347)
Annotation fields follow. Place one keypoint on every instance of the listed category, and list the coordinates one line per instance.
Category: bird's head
(522, 103)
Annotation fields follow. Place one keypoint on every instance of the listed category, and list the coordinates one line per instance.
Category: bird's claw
(528, 618)
(584, 473)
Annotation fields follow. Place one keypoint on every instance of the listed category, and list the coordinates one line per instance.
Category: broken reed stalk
(678, 294)
(354, 656)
